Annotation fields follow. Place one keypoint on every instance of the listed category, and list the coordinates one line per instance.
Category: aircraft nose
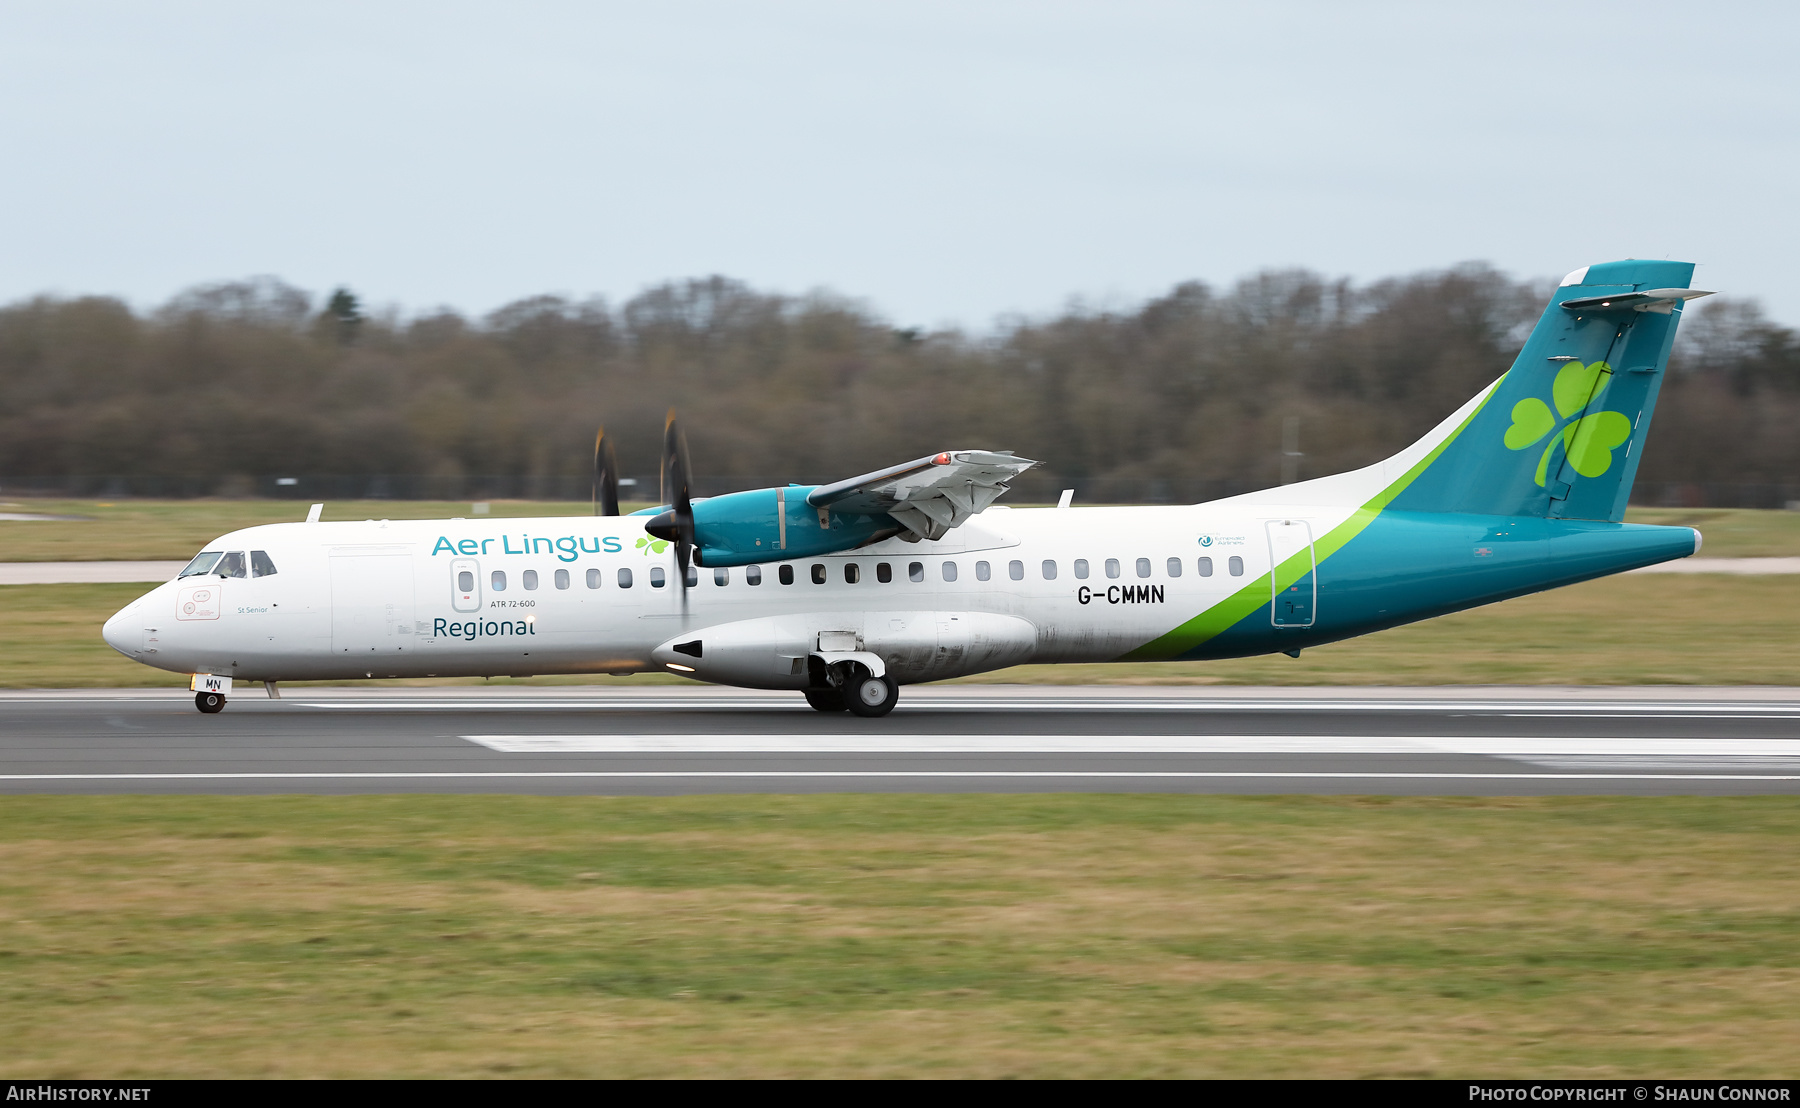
(118, 631)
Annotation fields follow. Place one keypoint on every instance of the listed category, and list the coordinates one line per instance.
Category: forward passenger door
(371, 604)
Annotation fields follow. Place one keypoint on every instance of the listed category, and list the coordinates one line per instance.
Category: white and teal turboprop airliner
(845, 592)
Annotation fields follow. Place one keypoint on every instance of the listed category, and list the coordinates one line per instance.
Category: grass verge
(1632, 630)
(951, 936)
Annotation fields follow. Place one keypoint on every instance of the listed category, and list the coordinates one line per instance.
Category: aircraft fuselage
(571, 595)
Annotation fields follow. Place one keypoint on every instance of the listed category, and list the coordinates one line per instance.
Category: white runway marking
(1753, 566)
(1504, 746)
(885, 774)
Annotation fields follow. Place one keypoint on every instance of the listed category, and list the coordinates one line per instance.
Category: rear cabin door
(371, 604)
(1293, 584)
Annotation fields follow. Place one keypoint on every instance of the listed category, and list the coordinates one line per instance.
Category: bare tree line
(228, 386)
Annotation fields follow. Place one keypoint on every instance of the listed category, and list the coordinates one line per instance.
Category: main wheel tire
(825, 700)
(209, 702)
(871, 696)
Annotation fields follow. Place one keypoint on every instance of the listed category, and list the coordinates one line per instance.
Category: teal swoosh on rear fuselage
(1406, 566)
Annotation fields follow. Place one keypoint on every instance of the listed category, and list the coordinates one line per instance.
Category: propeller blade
(677, 494)
(606, 476)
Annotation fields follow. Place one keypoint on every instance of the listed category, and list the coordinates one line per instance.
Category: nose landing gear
(210, 702)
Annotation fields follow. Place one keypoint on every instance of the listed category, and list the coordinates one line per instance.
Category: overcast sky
(945, 162)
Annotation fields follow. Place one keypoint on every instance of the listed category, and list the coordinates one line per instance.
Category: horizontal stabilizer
(1661, 301)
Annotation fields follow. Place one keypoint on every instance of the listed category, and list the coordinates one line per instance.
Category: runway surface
(657, 740)
(88, 573)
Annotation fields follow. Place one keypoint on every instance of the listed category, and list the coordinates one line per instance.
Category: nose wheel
(210, 702)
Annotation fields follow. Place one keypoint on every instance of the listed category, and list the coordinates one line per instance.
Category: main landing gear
(870, 696)
(826, 700)
(862, 694)
(210, 702)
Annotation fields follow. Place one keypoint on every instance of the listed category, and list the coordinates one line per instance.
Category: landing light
(679, 668)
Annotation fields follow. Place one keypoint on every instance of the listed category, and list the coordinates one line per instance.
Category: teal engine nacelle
(770, 525)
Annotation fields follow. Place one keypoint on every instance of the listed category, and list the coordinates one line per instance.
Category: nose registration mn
(207, 682)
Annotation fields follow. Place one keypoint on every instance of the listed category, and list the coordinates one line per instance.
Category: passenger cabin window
(983, 571)
(818, 573)
(949, 571)
(693, 577)
(624, 579)
(721, 576)
(1049, 569)
(498, 580)
(884, 572)
(786, 575)
(202, 563)
(915, 571)
(1081, 569)
(1236, 565)
(1143, 567)
(260, 565)
(562, 578)
(593, 578)
(530, 578)
(752, 575)
(657, 578)
(1015, 569)
(231, 565)
(465, 582)
(1206, 567)
(852, 573)
(1112, 567)
(1174, 567)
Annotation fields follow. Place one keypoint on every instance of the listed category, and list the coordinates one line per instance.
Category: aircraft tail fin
(1562, 433)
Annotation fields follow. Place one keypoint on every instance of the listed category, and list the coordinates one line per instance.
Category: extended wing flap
(928, 496)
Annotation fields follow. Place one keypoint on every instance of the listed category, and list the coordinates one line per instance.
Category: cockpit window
(260, 565)
(202, 563)
(231, 565)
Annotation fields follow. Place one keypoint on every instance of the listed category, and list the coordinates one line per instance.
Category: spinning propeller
(677, 524)
(606, 476)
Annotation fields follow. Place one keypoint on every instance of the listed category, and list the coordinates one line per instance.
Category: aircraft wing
(928, 496)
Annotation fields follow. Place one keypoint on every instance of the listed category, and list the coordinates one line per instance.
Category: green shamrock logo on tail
(1588, 442)
(656, 546)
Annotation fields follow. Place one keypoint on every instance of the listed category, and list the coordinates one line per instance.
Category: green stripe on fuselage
(1258, 594)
